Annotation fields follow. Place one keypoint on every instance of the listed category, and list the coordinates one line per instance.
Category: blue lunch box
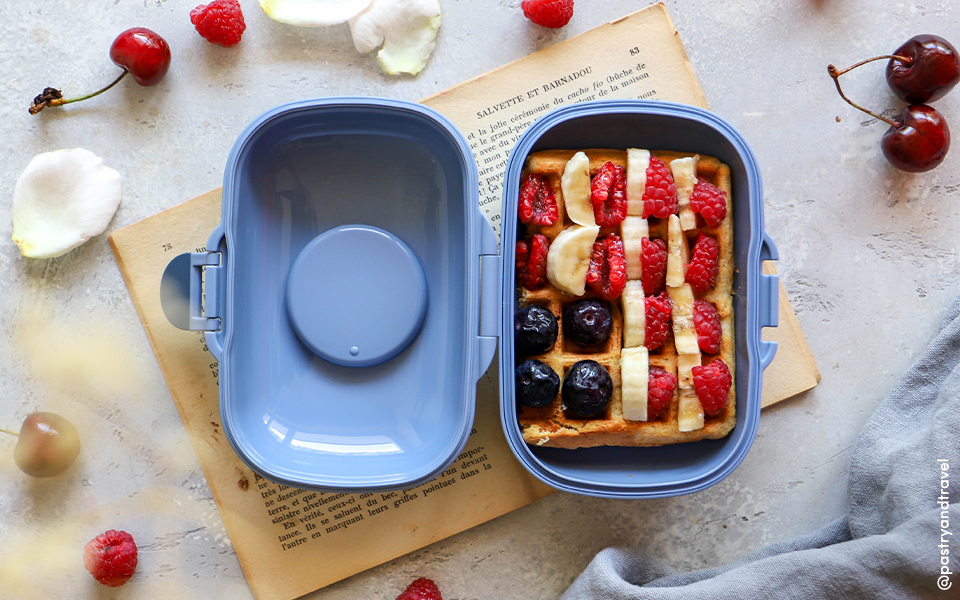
(354, 293)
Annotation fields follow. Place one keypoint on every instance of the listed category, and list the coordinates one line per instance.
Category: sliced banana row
(634, 359)
(568, 258)
(684, 332)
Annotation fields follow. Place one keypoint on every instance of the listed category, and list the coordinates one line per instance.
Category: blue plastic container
(354, 293)
(343, 293)
(619, 472)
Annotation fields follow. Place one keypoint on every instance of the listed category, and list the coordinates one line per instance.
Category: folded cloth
(900, 539)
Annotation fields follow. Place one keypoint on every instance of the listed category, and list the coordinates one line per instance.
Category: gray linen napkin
(900, 540)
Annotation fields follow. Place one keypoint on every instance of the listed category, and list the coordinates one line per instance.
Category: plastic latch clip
(769, 301)
(491, 303)
(188, 295)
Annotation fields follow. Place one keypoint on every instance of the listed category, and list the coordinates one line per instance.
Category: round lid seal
(356, 295)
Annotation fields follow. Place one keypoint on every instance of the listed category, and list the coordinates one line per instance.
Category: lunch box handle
(769, 300)
(215, 281)
(490, 300)
(190, 297)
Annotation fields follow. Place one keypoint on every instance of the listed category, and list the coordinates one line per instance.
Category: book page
(290, 541)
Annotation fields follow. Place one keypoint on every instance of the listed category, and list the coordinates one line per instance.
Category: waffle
(555, 426)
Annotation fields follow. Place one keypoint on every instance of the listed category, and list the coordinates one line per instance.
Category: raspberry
(659, 391)
(660, 194)
(421, 589)
(607, 275)
(220, 22)
(532, 261)
(706, 321)
(111, 557)
(538, 205)
(712, 383)
(709, 201)
(653, 260)
(658, 310)
(548, 13)
(608, 194)
(704, 264)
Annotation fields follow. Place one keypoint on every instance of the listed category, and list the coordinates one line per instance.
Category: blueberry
(587, 388)
(587, 322)
(534, 330)
(537, 384)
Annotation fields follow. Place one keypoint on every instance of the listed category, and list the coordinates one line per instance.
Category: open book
(291, 541)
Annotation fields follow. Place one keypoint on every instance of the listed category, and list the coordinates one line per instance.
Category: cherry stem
(10, 432)
(53, 97)
(836, 73)
(904, 59)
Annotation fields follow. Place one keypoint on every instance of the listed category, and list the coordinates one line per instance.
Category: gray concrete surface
(869, 256)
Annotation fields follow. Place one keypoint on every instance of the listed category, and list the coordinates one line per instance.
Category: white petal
(61, 200)
(406, 28)
(313, 13)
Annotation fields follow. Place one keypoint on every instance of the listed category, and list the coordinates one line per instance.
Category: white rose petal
(406, 28)
(62, 199)
(313, 13)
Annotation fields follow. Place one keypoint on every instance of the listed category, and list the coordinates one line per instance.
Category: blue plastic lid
(336, 296)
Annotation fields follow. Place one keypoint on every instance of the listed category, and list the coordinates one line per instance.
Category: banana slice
(632, 232)
(685, 365)
(678, 252)
(685, 176)
(684, 332)
(575, 185)
(690, 417)
(634, 314)
(569, 258)
(637, 162)
(634, 381)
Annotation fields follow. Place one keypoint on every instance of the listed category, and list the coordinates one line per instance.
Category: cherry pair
(922, 70)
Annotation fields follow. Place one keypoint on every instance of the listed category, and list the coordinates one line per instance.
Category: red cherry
(919, 141)
(931, 69)
(143, 53)
(138, 51)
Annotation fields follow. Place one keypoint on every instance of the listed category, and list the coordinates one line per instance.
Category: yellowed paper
(289, 541)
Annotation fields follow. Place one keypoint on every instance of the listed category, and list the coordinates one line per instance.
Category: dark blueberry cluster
(587, 387)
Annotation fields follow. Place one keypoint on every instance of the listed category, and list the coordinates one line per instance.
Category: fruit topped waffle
(624, 272)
